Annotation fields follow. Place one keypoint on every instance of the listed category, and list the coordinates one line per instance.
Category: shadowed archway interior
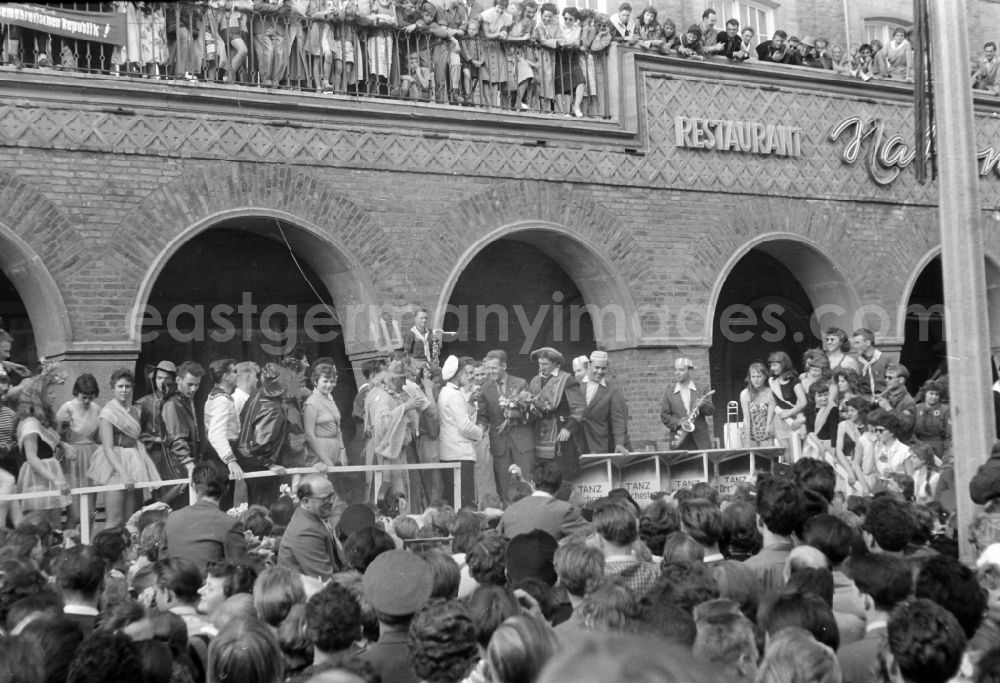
(515, 297)
(238, 290)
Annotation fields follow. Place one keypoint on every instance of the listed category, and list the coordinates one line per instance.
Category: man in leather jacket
(263, 428)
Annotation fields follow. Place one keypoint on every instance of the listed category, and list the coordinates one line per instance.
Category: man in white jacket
(459, 431)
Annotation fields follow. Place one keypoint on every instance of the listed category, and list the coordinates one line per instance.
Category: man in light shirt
(222, 422)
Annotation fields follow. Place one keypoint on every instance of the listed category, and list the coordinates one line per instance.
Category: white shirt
(222, 424)
(592, 388)
(685, 391)
(240, 398)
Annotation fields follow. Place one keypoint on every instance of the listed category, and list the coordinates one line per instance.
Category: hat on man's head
(599, 357)
(271, 383)
(355, 518)
(808, 41)
(398, 583)
(549, 353)
(450, 368)
(164, 365)
(682, 363)
(529, 556)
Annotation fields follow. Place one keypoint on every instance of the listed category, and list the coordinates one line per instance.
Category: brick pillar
(98, 359)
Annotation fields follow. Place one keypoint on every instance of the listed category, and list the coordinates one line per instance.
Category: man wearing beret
(605, 419)
(557, 424)
(677, 405)
(396, 584)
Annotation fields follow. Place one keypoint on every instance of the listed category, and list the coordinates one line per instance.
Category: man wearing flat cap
(556, 426)
(396, 584)
(677, 405)
(162, 377)
(605, 418)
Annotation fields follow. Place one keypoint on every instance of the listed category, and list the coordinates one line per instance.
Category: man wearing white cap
(459, 431)
(556, 427)
(678, 403)
(605, 419)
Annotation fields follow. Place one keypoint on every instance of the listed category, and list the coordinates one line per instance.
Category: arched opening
(925, 351)
(15, 320)
(248, 288)
(778, 295)
(515, 295)
(31, 304)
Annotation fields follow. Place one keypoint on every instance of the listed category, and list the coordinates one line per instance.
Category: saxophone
(687, 424)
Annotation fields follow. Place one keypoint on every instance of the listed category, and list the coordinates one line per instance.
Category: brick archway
(585, 239)
(348, 252)
(37, 245)
(808, 248)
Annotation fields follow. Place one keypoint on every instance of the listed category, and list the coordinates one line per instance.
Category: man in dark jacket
(777, 51)
(262, 436)
(986, 484)
(202, 532)
(605, 419)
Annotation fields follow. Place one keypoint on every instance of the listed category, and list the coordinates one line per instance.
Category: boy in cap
(396, 584)
(679, 402)
(605, 417)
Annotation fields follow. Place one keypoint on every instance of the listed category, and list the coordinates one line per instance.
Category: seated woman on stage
(855, 443)
(891, 454)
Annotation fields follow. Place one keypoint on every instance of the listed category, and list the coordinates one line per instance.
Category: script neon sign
(885, 156)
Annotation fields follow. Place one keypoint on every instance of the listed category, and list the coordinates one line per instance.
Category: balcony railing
(345, 52)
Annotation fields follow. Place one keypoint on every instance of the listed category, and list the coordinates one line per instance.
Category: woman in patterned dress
(78, 421)
(321, 421)
(757, 403)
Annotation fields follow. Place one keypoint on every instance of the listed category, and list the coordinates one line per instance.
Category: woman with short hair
(79, 420)
(245, 651)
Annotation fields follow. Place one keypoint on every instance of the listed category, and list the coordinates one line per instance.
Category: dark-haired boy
(884, 581)
(780, 511)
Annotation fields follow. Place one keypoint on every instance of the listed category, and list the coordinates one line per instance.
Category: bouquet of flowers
(515, 408)
(541, 406)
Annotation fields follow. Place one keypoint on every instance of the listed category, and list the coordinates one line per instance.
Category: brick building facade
(384, 206)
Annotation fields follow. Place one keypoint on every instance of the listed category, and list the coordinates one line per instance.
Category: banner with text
(102, 27)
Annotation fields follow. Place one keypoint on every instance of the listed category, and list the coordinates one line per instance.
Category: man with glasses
(897, 399)
(308, 546)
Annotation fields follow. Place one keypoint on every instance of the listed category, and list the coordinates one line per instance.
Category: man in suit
(541, 510)
(308, 547)
(677, 405)
(79, 573)
(884, 582)
(555, 430)
(202, 532)
(605, 418)
(511, 440)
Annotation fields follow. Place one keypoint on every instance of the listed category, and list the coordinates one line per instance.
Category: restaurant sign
(748, 137)
(885, 156)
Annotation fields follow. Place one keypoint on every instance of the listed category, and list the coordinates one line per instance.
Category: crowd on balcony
(520, 56)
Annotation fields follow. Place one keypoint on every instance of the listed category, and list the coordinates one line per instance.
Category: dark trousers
(568, 457)
(468, 483)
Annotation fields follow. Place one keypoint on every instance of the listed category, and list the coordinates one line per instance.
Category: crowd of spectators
(518, 56)
(780, 581)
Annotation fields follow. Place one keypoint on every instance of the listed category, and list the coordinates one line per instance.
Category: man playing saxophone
(684, 405)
